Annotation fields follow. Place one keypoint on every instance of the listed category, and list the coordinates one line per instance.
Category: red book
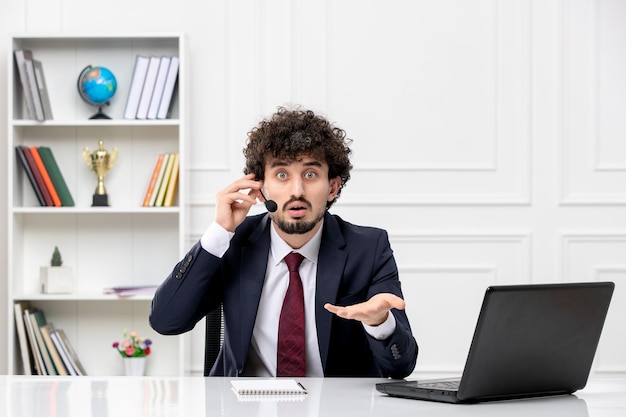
(37, 174)
(56, 201)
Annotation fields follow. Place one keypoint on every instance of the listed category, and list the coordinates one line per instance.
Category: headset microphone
(270, 205)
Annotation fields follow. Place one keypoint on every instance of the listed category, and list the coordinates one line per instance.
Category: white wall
(488, 135)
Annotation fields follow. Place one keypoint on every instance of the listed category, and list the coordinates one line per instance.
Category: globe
(97, 85)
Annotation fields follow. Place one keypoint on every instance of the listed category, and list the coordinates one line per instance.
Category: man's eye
(281, 175)
(310, 175)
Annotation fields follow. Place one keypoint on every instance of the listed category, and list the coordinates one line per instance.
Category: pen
(303, 389)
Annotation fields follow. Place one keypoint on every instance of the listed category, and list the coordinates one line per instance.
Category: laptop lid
(530, 340)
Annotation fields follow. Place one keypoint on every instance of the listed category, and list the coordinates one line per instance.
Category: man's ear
(335, 185)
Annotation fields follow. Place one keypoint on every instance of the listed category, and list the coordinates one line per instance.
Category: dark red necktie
(291, 353)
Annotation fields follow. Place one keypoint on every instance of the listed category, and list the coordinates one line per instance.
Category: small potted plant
(56, 278)
(133, 349)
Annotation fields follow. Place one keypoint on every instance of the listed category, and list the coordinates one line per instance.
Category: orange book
(45, 176)
(153, 180)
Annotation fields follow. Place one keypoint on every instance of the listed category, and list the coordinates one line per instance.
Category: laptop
(530, 340)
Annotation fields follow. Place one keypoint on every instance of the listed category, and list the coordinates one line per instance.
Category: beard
(298, 227)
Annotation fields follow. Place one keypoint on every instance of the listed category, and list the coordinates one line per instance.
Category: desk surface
(22, 396)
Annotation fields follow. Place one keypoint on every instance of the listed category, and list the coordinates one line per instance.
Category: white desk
(22, 396)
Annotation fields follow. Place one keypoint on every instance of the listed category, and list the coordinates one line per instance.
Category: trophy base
(100, 200)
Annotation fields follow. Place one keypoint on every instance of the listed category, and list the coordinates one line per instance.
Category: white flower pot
(134, 366)
(56, 279)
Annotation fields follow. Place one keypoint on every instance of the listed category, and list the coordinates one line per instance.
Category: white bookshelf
(122, 244)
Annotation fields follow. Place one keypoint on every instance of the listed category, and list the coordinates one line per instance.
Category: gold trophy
(100, 162)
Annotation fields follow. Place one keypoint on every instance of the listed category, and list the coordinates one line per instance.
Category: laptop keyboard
(452, 385)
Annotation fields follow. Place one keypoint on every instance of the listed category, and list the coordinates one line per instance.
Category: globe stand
(100, 114)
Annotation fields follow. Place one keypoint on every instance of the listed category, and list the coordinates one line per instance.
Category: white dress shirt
(261, 359)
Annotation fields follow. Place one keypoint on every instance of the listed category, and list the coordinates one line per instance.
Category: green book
(55, 175)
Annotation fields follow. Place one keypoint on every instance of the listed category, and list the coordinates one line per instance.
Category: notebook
(530, 340)
(267, 387)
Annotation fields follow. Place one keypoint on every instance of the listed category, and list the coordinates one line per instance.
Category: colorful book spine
(46, 329)
(153, 180)
(62, 353)
(46, 177)
(165, 181)
(30, 332)
(38, 319)
(19, 152)
(172, 183)
(159, 181)
(38, 178)
(55, 175)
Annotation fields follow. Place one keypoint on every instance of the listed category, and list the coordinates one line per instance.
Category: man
(354, 321)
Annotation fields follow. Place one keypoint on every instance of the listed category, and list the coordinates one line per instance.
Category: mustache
(298, 199)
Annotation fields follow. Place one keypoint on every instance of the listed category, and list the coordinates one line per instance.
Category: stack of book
(33, 83)
(161, 190)
(152, 87)
(44, 175)
(45, 350)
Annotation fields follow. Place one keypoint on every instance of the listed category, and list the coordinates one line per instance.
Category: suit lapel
(253, 266)
(331, 261)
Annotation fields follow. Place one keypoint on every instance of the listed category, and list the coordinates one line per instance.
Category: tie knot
(293, 261)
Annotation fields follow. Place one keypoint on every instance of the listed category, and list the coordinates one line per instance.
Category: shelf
(123, 244)
(58, 211)
(94, 123)
(78, 297)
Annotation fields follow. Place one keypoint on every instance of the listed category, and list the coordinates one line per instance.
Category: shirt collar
(279, 248)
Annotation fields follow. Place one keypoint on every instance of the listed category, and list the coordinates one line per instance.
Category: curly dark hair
(290, 133)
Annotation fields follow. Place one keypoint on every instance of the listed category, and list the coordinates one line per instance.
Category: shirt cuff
(216, 240)
(383, 330)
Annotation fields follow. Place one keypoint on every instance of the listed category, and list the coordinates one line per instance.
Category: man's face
(301, 189)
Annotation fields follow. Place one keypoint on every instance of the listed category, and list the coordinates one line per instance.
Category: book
(34, 347)
(267, 387)
(165, 181)
(23, 61)
(56, 201)
(159, 85)
(19, 152)
(153, 180)
(148, 87)
(38, 319)
(159, 180)
(41, 185)
(22, 337)
(172, 184)
(62, 353)
(46, 330)
(42, 89)
(131, 290)
(55, 175)
(169, 88)
(71, 353)
(136, 86)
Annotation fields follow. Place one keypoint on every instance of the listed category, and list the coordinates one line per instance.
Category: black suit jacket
(354, 264)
